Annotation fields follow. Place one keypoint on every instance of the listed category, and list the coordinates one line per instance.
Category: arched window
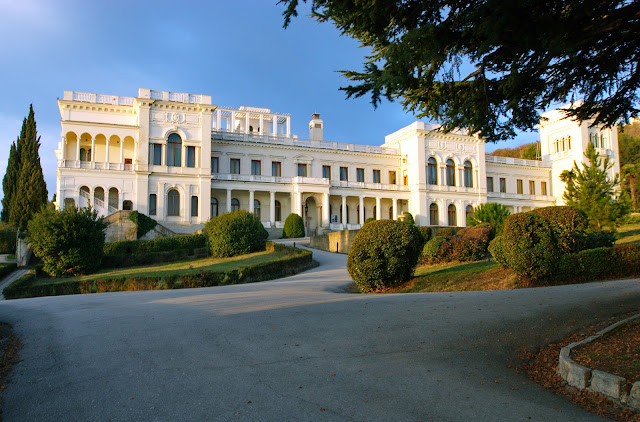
(433, 214)
(214, 207)
(468, 175)
(569, 142)
(468, 212)
(235, 204)
(174, 148)
(451, 212)
(256, 209)
(173, 203)
(127, 205)
(451, 173)
(601, 141)
(278, 211)
(432, 172)
(564, 147)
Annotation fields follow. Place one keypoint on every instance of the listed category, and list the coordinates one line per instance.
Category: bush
(235, 233)
(492, 213)
(426, 233)
(408, 218)
(384, 254)
(445, 231)
(482, 232)
(566, 222)
(189, 242)
(8, 237)
(495, 249)
(431, 249)
(69, 242)
(461, 249)
(592, 239)
(529, 247)
(293, 227)
(369, 220)
(142, 222)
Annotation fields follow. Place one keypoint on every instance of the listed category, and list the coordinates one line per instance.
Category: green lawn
(628, 233)
(455, 277)
(174, 268)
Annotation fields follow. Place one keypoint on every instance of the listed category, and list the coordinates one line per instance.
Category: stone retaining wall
(334, 242)
(584, 378)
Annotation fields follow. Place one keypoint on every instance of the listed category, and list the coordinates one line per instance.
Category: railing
(97, 98)
(85, 194)
(112, 209)
(517, 161)
(520, 196)
(286, 140)
(250, 178)
(99, 202)
(365, 185)
(70, 164)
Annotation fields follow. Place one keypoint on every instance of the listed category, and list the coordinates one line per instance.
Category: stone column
(218, 119)
(344, 211)
(261, 128)
(395, 208)
(106, 154)
(233, 121)
(251, 199)
(299, 204)
(64, 149)
(228, 200)
(288, 126)
(275, 125)
(326, 217)
(378, 210)
(78, 153)
(272, 208)
(122, 151)
(93, 149)
(361, 213)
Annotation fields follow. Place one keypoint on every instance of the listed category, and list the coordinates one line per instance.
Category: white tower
(315, 127)
(563, 141)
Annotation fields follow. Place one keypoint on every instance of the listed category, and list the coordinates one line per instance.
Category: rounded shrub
(293, 226)
(445, 231)
(495, 249)
(408, 218)
(235, 233)
(529, 247)
(384, 254)
(426, 233)
(431, 249)
(461, 249)
(369, 220)
(566, 222)
(69, 242)
(482, 232)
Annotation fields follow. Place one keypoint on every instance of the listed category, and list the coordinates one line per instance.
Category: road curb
(584, 378)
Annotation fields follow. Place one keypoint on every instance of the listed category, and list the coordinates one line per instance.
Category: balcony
(94, 165)
(365, 185)
(291, 141)
(519, 196)
(516, 161)
(250, 178)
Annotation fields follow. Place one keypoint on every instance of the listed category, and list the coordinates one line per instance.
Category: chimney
(315, 127)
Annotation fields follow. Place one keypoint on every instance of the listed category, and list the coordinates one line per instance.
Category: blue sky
(236, 51)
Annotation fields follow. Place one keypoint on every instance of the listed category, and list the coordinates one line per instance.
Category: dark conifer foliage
(25, 191)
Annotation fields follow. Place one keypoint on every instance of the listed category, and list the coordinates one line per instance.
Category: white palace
(181, 160)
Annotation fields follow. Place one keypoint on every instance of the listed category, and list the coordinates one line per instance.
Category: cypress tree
(10, 182)
(31, 191)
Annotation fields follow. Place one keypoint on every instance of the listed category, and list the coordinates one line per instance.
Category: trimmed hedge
(408, 218)
(189, 242)
(599, 264)
(6, 269)
(140, 258)
(426, 233)
(142, 222)
(8, 240)
(462, 249)
(565, 222)
(235, 233)
(383, 254)
(445, 231)
(431, 249)
(529, 246)
(293, 227)
(297, 260)
(484, 233)
(369, 220)
(495, 249)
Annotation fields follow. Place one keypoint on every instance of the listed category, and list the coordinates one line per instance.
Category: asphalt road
(295, 349)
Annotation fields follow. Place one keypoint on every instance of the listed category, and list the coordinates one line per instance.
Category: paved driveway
(294, 349)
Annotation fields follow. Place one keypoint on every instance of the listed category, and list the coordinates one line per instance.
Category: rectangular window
(392, 177)
(489, 184)
(276, 168)
(503, 185)
(256, 169)
(234, 166)
(344, 174)
(191, 156)
(405, 180)
(194, 206)
(376, 176)
(532, 187)
(519, 186)
(360, 175)
(215, 165)
(155, 154)
(543, 188)
(152, 204)
(302, 170)
(326, 172)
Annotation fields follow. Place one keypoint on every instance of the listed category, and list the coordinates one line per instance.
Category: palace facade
(181, 159)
